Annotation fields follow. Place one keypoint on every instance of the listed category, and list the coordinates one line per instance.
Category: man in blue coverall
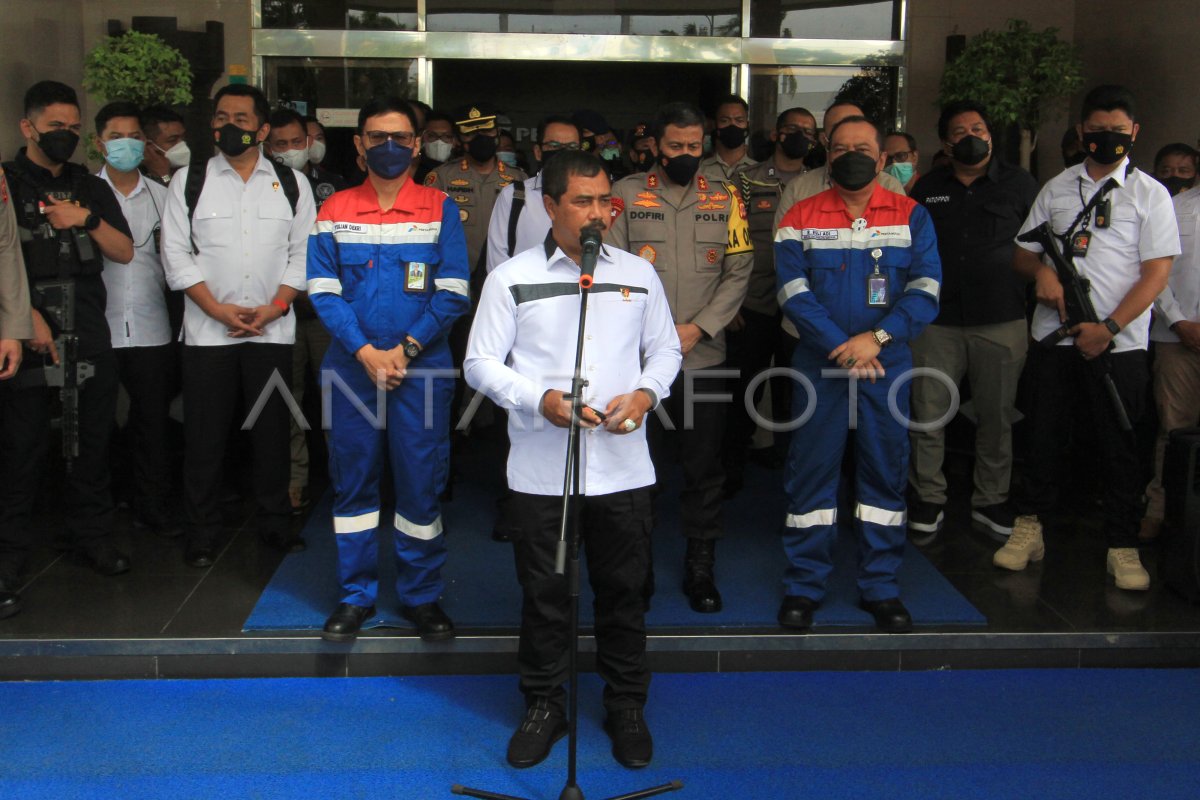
(387, 274)
(858, 274)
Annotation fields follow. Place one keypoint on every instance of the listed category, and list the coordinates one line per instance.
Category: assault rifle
(57, 302)
(1078, 300)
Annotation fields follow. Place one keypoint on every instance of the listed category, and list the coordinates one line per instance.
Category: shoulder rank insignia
(702, 183)
(463, 166)
(431, 179)
(651, 181)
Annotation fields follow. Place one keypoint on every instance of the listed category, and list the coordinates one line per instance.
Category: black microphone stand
(566, 560)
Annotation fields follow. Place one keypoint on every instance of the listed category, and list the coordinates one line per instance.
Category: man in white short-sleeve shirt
(1124, 246)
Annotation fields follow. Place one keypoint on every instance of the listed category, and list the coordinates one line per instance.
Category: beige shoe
(1024, 545)
(1125, 566)
(1151, 528)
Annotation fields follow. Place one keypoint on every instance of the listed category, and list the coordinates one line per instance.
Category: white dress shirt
(1142, 228)
(532, 225)
(250, 244)
(137, 301)
(523, 344)
(1180, 301)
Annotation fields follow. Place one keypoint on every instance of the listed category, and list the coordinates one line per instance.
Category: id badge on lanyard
(878, 294)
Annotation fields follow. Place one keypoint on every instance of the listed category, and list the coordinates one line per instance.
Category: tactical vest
(52, 254)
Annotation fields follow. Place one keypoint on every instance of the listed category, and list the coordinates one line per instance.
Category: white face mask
(438, 150)
(179, 155)
(316, 152)
(296, 159)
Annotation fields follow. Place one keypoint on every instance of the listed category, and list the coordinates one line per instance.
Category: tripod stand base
(570, 792)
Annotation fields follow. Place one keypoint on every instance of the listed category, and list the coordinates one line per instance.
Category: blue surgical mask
(389, 160)
(124, 155)
(901, 171)
(508, 157)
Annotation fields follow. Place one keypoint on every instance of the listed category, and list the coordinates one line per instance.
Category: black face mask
(816, 156)
(233, 141)
(969, 150)
(59, 145)
(853, 170)
(795, 145)
(1107, 147)
(482, 148)
(1176, 184)
(731, 136)
(642, 160)
(681, 169)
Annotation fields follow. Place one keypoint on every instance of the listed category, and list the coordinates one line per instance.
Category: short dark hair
(155, 115)
(386, 105)
(440, 117)
(856, 119)
(1108, 97)
(117, 108)
(262, 108)
(681, 115)
(310, 118)
(426, 109)
(558, 171)
(844, 101)
(732, 98)
(783, 115)
(555, 119)
(48, 93)
(282, 117)
(1175, 149)
(952, 110)
(908, 138)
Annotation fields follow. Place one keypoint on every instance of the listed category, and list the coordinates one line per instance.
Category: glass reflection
(381, 15)
(823, 19)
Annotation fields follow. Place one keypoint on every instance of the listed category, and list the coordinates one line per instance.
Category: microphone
(589, 239)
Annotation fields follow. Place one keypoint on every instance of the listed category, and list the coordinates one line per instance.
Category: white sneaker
(1125, 566)
(1024, 545)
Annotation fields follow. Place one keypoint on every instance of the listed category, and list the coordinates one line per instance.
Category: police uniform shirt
(1142, 227)
(91, 325)
(761, 186)
(714, 167)
(250, 244)
(532, 225)
(137, 304)
(697, 239)
(523, 344)
(1180, 301)
(15, 319)
(975, 227)
(475, 195)
(323, 184)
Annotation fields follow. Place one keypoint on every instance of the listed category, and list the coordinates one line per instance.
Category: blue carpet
(482, 591)
(970, 735)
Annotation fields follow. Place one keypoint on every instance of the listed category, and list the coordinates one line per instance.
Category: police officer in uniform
(694, 231)
(729, 140)
(754, 336)
(67, 220)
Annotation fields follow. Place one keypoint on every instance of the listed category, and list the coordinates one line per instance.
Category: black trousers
(615, 538)
(751, 351)
(150, 376)
(214, 379)
(1064, 386)
(699, 426)
(25, 438)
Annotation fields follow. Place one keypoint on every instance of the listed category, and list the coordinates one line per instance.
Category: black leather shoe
(797, 611)
(632, 746)
(10, 600)
(286, 542)
(432, 623)
(535, 736)
(699, 585)
(200, 553)
(890, 615)
(344, 623)
(154, 516)
(104, 557)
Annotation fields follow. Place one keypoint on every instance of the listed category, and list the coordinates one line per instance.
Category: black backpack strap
(518, 203)
(287, 179)
(197, 172)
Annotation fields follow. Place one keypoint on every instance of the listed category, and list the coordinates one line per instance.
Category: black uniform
(52, 255)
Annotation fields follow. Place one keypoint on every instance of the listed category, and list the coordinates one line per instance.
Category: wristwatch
(881, 337)
(1113, 326)
(92, 222)
(411, 348)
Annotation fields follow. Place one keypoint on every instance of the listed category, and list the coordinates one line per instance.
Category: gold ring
(629, 425)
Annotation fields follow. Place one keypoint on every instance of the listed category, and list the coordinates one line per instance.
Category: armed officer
(693, 230)
(68, 220)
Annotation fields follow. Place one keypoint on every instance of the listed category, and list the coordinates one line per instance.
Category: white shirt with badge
(1180, 301)
(250, 244)
(523, 344)
(532, 225)
(1141, 228)
(137, 302)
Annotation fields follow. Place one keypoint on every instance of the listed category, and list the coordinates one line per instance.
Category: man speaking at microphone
(521, 354)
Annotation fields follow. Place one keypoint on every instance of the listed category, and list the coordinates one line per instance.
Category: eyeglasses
(900, 156)
(553, 145)
(402, 138)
